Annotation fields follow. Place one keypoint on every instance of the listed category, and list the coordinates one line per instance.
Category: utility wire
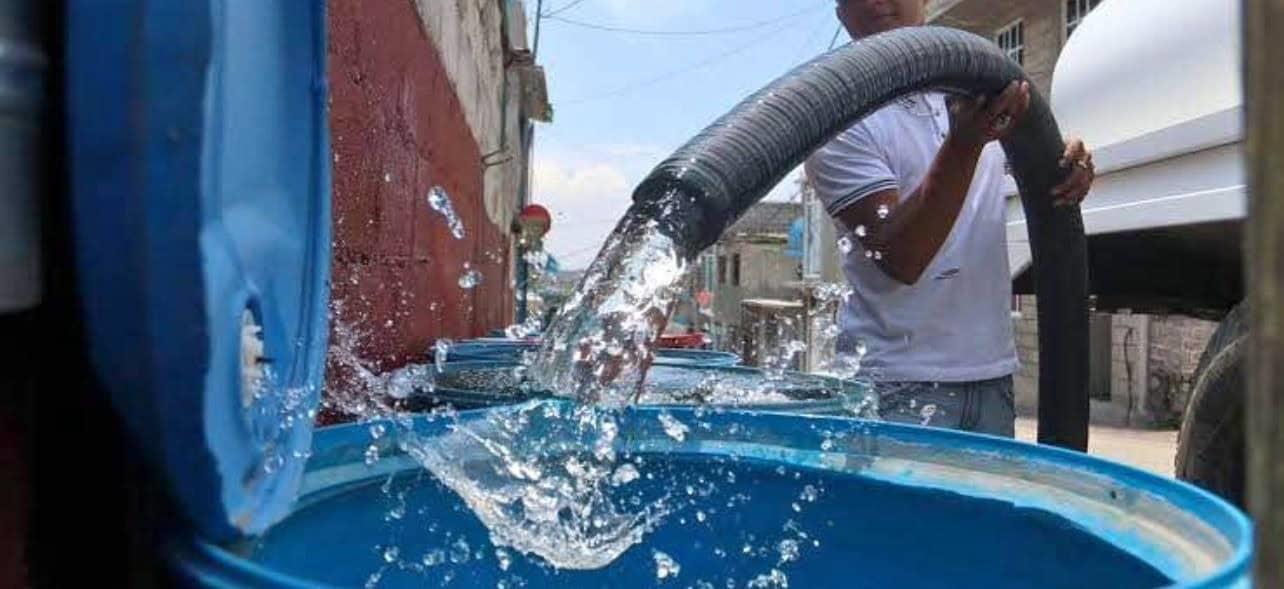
(691, 33)
(802, 49)
(627, 88)
(834, 41)
(564, 8)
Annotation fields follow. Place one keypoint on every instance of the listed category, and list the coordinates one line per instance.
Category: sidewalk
(1151, 450)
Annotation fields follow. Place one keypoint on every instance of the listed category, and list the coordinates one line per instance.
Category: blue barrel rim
(496, 348)
(472, 400)
(195, 555)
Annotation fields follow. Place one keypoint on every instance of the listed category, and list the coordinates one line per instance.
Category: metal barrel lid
(199, 152)
(481, 384)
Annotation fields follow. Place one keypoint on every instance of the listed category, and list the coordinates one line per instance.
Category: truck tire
(1232, 326)
(1210, 445)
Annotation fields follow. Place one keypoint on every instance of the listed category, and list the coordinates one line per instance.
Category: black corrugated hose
(708, 183)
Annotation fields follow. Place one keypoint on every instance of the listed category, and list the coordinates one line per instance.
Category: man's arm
(908, 234)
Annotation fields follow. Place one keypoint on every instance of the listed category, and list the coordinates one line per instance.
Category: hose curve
(708, 183)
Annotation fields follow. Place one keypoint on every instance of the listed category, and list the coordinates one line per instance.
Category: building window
(707, 264)
(1011, 40)
(722, 269)
(735, 269)
(1076, 10)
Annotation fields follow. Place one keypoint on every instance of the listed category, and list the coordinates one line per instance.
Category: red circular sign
(535, 220)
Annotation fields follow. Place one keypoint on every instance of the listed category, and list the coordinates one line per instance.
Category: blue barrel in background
(510, 350)
(856, 504)
(480, 384)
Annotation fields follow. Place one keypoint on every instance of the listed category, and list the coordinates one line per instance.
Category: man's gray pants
(985, 406)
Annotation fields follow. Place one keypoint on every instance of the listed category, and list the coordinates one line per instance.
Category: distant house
(751, 261)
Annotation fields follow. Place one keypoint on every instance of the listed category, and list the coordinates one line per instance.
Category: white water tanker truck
(1154, 86)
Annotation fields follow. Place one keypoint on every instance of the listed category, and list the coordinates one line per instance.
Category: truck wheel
(1210, 446)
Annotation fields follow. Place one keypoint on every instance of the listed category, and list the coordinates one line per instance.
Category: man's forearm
(912, 234)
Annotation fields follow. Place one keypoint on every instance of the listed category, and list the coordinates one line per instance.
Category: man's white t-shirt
(954, 324)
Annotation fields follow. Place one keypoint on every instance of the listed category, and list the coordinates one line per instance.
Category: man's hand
(1082, 173)
(980, 120)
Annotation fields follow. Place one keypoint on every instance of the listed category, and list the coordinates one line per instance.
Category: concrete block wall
(1153, 361)
(1044, 23)
(1176, 344)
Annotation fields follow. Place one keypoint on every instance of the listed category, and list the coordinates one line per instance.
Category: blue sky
(624, 101)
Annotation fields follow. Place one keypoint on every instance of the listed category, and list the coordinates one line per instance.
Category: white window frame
(1015, 32)
(1069, 21)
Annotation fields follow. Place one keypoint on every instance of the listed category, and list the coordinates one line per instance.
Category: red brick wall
(397, 130)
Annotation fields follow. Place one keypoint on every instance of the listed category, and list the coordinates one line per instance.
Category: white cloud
(636, 12)
(586, 194)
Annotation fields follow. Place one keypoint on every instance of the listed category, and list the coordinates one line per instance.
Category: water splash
(665, 567)
(470, 278)
(440, 202)
(599, 346)
(536, 477)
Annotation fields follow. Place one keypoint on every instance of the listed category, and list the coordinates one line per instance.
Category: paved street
(1148, 449)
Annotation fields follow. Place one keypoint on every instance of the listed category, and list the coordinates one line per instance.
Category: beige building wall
(1043, 20)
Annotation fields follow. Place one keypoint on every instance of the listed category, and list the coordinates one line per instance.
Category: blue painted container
(510, 350)
(481, 384)
(852, 504)
(198, 146)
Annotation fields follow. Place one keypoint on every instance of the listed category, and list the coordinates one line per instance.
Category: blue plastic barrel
(857, 504)
(481, 384)
(509, 350)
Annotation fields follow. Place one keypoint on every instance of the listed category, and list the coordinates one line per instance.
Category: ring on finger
(1082, 164)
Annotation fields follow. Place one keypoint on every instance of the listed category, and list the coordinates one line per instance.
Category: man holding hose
(918, 186)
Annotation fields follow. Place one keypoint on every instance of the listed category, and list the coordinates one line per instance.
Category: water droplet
(459, 551)
(665, 566)
(883, 211)
(624, 474)
(470, 277)
(845, 245)
(391, 553)
(788, 550)
(377, 430)
(861, 231)
(796, 507)
(372, 454)
(503, 558)
(700, 517)
(433, 558)
(927, 413)
(440, 202)
(869, 254)
(776, 579)
(827, 445)
(809, 493)
(672, 427)
(441, 353)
